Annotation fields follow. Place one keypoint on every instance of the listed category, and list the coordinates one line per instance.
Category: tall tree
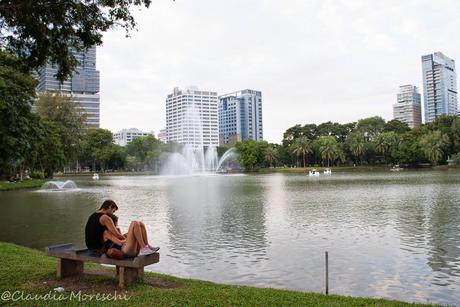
(357, 145)
(65, 114)
(434, 146)
(41, 31)
(17, 123)
(329, 149)
(271, 155)
(302, 147)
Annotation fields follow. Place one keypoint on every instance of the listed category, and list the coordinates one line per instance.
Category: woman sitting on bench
(111, 241)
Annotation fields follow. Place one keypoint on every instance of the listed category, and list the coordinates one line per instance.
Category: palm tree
(357, 144)
(329, 149)
(271, 155)
(302, 147)
(384, 142)
(434, 145)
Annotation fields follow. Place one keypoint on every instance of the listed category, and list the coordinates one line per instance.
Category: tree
(41, 31)
(329, 149)
(17, 123)
(47, 154)
(302, 147)
(385, 142)
(271, 155)
(98, 148)
(455, 130)
(371, 126)
(251, 153)
(434, 145)
(396, 126)
(357, 145)
(65, 114)
(146, 149)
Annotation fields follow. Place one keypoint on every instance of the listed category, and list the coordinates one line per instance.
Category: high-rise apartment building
(408, 108)
(439, 86)
(240, 117)
(83, 86)
(125, 136)
(191, 117)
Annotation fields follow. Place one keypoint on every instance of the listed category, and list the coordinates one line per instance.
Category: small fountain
(59, 185)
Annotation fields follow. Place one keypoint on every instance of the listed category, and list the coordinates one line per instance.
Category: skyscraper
(191, 117)
(240, 117)
(439, 86)
(83, 86)
(408, 108)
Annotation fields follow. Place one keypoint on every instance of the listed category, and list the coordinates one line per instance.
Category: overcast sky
(313, 60)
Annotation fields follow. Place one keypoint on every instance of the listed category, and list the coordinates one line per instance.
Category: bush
(37, 175)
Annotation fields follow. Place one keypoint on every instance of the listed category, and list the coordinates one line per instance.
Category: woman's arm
(114, 239)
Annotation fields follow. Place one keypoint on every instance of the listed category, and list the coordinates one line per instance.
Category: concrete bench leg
(129, 275)
(66, 267)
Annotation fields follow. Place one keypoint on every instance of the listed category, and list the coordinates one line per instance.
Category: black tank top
(94, 231)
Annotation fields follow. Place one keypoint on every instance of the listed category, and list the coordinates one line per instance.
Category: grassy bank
(26, 184)
(30, 271)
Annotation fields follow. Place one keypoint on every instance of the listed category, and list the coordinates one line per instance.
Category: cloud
(314, 61)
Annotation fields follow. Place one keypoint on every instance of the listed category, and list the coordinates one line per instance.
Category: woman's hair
(107, 204)
(114, 218)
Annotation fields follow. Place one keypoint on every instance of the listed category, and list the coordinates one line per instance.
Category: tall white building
(439, 86)
(192, 118)
(408, 108)
(125, 136)
(240, 117)
(83, 86)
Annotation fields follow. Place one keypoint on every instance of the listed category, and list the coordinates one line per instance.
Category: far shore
(37, 183)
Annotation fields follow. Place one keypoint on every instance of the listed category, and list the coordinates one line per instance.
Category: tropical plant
(434, 145)
(271, 155)
(302, 147)
(329, 149)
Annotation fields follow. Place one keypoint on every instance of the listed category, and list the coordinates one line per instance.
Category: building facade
(192, 117)
(240, 117)
(83, 86)
(162, 136)
(125, 136)
(408, 107)
(439, 86)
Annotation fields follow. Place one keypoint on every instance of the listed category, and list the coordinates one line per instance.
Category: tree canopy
(41, 31)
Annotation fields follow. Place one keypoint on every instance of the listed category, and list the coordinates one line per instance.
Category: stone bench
(71, 260)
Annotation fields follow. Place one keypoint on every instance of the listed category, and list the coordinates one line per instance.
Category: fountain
(194, 158)
(59, 185)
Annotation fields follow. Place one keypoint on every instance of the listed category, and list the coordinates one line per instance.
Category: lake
(392, 235)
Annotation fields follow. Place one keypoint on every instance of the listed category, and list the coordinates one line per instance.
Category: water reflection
(388, 235)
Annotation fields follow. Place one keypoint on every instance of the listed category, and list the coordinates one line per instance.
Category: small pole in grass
(327, 272)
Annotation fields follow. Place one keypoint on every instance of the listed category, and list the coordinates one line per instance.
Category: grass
(28, 270)
(26, 184)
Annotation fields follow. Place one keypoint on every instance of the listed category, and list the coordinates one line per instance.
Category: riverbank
(25, 184)
(30, 272)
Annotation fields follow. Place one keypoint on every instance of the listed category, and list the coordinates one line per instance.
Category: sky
(313, 60)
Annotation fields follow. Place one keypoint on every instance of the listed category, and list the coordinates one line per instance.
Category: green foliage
(328, 149)
(147, 151)
(371, 126)
(302, 147)
(42, 31)
(99, 150)
(251, 153)
(434, 146)
(64, 114)
(396, 126)
(17, 123)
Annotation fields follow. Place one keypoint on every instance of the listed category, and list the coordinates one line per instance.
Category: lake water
(392, 235)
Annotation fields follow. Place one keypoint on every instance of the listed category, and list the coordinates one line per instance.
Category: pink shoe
(154, 248)
(145, 251)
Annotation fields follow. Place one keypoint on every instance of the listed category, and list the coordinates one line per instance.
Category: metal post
(327, 273)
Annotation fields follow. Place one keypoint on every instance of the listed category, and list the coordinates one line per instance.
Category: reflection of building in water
(429, 221)
(203, 218)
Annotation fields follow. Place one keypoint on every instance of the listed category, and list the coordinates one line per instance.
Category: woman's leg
(144, 233)
(134, 239)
